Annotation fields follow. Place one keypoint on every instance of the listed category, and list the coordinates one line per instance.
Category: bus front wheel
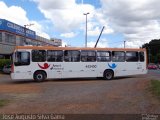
(39, 76)
(108, 74)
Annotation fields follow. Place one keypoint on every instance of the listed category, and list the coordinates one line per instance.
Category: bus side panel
(135, 68)
(55, 70)
(121, 68)
(117, 67)
(79, 69)
(22, 72)
(21, 76)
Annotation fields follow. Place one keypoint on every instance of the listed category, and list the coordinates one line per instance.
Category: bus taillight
(12, 68)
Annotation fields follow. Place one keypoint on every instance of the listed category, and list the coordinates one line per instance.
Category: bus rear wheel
(108, 74)
(39, 76)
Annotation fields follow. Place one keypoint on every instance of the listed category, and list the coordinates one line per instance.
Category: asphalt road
(126, 95)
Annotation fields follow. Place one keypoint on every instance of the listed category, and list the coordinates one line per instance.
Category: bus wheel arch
(108, 74)
(39, 75)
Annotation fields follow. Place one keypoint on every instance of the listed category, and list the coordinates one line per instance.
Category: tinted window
(132, 56)
(118, 56)
(54, 56)
(9, 38)
(103, 56)
(71, 56)
(38, 55)
(22, 41)
(141, 55)
(22, 58)
(88, 56)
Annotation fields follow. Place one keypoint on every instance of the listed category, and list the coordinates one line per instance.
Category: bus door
(21, 62)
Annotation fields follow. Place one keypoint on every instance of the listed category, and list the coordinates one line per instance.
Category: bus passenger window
(103, 56)
(38, 55)
(88, 56)
(118, 56)
(141, 55)
(54, 56)
(131, 56)
(71, 56)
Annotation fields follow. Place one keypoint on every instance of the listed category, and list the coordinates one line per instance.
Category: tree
(153, 50)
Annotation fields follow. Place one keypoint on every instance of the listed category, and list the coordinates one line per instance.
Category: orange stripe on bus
(77, 48)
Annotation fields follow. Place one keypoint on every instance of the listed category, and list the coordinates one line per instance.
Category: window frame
(88, 58)
(106, 60)
(131, 58)
(56, 57)
(44, 59)
(10, 38)
(1, 37)
(17, 63)
(70, 57)
(118, 56)
(140, 56)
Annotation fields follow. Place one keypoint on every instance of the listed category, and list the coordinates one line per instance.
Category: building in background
(12, 35)
(57, 42)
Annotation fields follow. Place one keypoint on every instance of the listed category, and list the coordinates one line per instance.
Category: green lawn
(3, 102)
(155, 87)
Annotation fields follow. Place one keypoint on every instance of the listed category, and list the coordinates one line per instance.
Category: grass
(155, 88)
(4, 102)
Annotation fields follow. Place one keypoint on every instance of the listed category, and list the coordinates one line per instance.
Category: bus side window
(54, 56)
(131, 56)
(103, 56)
(38, 55)
(88, 56)
(141, 56)
(75, 56)
(71, 56)
(118, 56)
(83, 56)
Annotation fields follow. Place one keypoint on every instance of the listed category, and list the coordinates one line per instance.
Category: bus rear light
(12, 68)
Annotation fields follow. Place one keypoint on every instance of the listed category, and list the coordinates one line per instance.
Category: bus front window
(22, 58)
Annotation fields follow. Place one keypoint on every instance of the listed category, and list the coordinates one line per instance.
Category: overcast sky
(133, 21)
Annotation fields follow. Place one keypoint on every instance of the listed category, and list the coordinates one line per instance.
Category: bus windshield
(21, 58)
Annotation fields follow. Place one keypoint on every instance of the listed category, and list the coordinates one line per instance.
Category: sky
(134, 21)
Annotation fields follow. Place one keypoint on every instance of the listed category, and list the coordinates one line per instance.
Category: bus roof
(77, 48)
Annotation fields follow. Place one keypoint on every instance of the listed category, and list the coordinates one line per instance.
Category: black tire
(108, 74)
(39, 76)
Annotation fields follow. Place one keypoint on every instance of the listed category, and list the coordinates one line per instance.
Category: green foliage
(158, 57)
(4, 62)
(3, 102)
(153, 50)
(155, 87)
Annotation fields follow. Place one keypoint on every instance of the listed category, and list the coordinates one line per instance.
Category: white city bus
(40, 63)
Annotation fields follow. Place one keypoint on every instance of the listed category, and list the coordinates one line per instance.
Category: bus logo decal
(45, 66)
(113, 65)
